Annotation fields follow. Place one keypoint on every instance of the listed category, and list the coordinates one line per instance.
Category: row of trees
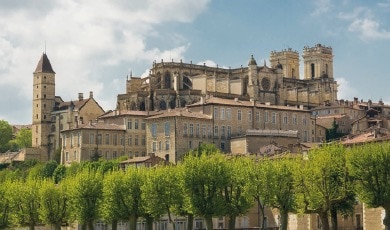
(22, 139)
(206, 184)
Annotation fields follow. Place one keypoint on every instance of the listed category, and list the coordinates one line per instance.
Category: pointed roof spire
(252, 61)
(44, 65)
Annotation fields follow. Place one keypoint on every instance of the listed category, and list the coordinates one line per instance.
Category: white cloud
(321, 7)
(88, 42)
(362, 21)
(345, 90)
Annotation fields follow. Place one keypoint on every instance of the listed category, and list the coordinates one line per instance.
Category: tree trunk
(333, 218)
(324, 220)
(190, 222)
(283, 220)
(114, 225)
(262, 214)
(90, 225)
(232, 222)
(133, 222)
(149, 223)
(386, 220)
(57, 226)
(84, 226)
(209, 222)
(31, 227)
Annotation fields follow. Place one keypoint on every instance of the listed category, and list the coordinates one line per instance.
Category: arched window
(142, 106)
(132, 105)
(187, 84)
(172, 104)
(163, 105)
(167, 81)
(312, 69)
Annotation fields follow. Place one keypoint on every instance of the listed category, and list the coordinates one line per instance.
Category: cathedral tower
(288, 61)
(43, 105)
(318, 62)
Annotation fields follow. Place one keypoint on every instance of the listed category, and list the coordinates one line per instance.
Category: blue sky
(94, 44)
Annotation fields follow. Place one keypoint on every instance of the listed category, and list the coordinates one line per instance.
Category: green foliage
(5, 135)
(54, 208)
(5, 204)
(205, 178)
(25, 202)
(59, 173)
(23, 138)
(162, 192)
(333, 133)
(57, 155)
(206, 149)
(85, 194)
(370, 168)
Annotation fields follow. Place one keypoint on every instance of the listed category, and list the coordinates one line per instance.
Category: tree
(59, 173)
(237, 193)
(5, 204)
(113, 208)
(323, 181)
(333, 133)
(5, 135)
(54, 203)
(23, 138)
(85, 194)
(205, 178)
(25, 201)
(281, 187)
(369, 165)
(161, 192)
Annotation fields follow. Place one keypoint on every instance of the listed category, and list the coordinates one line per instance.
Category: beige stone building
(176, 84)
(51, 115)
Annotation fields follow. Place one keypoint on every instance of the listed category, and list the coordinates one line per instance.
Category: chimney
(355, 100)
(81, 97)
(90, 94)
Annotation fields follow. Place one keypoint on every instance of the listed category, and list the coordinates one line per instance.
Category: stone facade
(176, 84)
(51, 115)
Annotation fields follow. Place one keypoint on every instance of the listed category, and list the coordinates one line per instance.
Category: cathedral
(177, 84)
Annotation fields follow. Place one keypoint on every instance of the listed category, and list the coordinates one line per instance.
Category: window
(216, 131)
(129, 124)
(239, 115)
(99, 139)
(305, 137)
(229, 131)
(223, 131)
(249, 116)
(143, 140)
(191, 129)
(154, 146)
(136, 124)
(273, 118)
(185, 129)
(167, 145)
(204, 131)
(159, 146)
(228, 114)
(222, 114)
(66, 156)
(115, 139)
(136, 140)
(166, 128)
(222, 146)
(266, 117)
(304, 121)
(129, 140)
(71, 140)
(197, 130)
(122, 140)
(75, 155)
(209, 131)
(215, 113)
(285, 118)
(190, 144)
(143, 125)
(294, 119)
(258, 116)
(107, 139)
(92, 138)
(114, 154)
(154, 130)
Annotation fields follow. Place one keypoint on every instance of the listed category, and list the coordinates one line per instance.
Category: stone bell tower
(318, 62)
(43, 105)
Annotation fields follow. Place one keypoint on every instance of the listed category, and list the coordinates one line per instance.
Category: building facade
(176, 84)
